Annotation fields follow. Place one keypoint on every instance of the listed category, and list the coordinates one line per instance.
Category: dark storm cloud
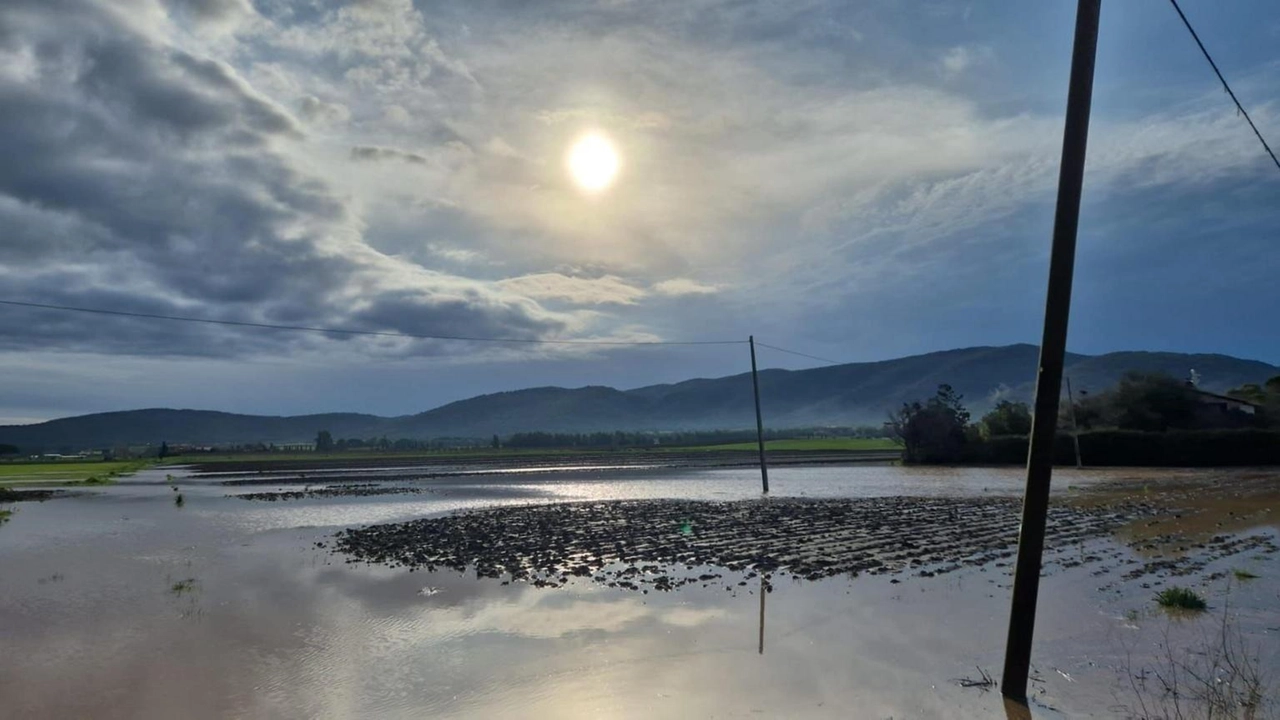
(143, 178)
(470, 314)
(172, 91)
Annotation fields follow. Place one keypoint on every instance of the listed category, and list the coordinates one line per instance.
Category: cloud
(502, 148)
(576, 290)
(381, 153)
(676, 287)
(449, 154)
(397, 116)
(381, 45)
(639, 120)
(455, 254)
(217, 15)
(145, 178)
(320, 112)
(369, 165)
(962, 58)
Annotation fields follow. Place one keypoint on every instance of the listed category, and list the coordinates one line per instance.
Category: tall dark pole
(1026, 581)
(755, 383)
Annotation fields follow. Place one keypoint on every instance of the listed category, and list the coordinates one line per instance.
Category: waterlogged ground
(122, 603)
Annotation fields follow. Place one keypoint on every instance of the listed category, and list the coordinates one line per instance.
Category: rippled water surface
(119, 603)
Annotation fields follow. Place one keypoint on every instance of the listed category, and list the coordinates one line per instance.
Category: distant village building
(60, 456)
(1222, 405)
(296, 447)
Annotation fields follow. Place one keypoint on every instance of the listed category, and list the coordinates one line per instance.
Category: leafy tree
(1252, 392)
(1154, 402)
(1090, 411)
(324, 441)
(6, 449)
(932, 432)
(947, 401)
(1007, 418)
(496, 443)
(164, 449)
(1266, 395)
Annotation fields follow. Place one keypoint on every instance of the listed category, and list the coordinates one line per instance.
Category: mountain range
(848, 394)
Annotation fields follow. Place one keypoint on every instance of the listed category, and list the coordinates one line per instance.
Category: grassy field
(801, 445)
(812, 445)
(356, 456)
(97, 471)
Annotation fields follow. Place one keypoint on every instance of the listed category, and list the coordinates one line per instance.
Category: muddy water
(98, 619)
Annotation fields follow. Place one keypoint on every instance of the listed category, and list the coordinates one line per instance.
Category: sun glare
(593, 163)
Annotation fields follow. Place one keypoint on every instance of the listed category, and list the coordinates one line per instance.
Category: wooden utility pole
(755, 383)
(1075, 427)
(1053, 347)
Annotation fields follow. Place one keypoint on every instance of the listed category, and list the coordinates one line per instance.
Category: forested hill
(850, 394)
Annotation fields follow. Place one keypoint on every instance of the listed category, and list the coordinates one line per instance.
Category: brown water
(96, 619)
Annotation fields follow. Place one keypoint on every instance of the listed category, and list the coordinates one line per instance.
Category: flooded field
(856, 591)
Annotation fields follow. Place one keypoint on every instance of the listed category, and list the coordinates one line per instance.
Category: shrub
(1181, 598)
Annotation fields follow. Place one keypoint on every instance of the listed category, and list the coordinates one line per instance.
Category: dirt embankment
(10, 495)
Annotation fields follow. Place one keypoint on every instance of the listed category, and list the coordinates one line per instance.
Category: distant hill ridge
(850, 394)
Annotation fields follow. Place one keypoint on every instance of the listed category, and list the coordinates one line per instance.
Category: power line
(803, 355)
(378, 333)
(1225, 86)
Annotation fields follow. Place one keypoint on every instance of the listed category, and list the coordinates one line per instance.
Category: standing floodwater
(119, 603)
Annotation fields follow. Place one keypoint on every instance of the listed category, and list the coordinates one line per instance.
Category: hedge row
(1175, 448)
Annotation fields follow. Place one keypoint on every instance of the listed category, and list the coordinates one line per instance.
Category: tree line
(687, 438)
(616, 440)
(939, 430)
(326, 443)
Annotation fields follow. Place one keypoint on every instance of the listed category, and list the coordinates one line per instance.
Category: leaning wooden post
(1053, 347)
(755, 383)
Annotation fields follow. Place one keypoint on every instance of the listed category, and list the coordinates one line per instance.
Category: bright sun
(593, 162)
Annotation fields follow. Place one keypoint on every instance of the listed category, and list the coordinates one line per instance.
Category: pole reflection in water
(763, 585)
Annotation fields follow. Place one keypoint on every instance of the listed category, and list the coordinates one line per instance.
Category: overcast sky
(852, 180)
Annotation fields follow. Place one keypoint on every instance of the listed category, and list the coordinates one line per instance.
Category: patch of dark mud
(303, 479)
(470, 492)
(11, 495)
(1190, 559)
(332, 491)
(655, 543)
